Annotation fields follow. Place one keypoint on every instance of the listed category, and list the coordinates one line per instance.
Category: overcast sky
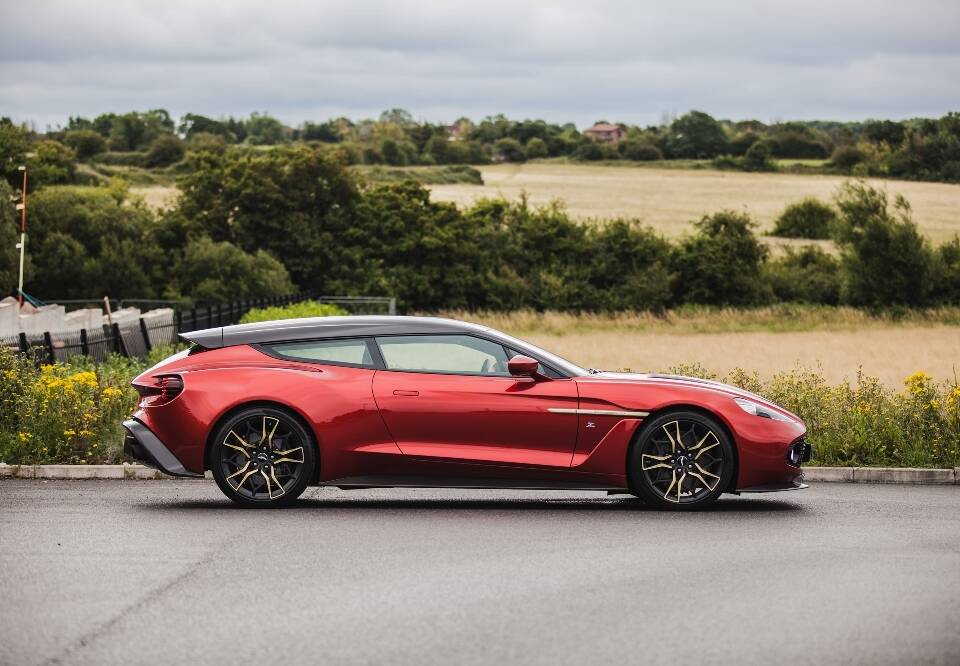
(564, 61)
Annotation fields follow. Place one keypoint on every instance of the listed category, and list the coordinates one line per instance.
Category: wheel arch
(272, 404)
(690, 407)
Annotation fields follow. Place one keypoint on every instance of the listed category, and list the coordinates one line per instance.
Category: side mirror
(522, 366)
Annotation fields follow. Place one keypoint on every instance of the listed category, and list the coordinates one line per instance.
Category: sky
(637, 62)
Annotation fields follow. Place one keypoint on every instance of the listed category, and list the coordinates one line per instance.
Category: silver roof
(324, 327)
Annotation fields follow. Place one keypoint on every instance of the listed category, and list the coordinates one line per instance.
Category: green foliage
(846, 158)
(135, 130)
(292, 311)
(214, 272)
(51, 163)
(263, 129)
(207, 142)
(434, 175)
(864, 423)
(885, 258)
(721, 264)
(510, 150)
(946, 287)
(295, 203)
(165, 150)
(807, 218)
(85, 142)
(757, 158)
(695, 135)
(14, 143)
(537, 148)
(807, 275)
(9, 236)
(640, 151)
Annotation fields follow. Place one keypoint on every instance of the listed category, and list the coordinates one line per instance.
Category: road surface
(113, 572)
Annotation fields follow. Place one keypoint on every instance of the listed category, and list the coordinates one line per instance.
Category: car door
(450, 397)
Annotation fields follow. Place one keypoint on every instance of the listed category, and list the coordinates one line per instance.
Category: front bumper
(141, 444)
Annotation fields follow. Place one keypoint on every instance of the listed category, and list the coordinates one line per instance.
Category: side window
(450, 354)
(346, 352)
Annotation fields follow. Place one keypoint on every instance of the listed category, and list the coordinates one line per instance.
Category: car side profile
(360, 402)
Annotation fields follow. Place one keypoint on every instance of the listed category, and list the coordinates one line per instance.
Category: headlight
(751, 407)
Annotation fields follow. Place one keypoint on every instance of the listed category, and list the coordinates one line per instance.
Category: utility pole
(22, 207)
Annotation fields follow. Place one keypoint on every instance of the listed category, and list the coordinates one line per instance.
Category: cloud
(629, 61)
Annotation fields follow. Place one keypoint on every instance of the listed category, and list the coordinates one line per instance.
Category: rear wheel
(262, 457)
(682, 460)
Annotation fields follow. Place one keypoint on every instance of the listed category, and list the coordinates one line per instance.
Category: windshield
(561, 364)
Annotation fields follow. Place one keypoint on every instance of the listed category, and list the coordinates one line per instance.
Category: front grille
(799, 452)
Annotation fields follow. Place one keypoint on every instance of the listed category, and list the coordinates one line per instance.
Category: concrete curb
(125, 471)
(898, 475)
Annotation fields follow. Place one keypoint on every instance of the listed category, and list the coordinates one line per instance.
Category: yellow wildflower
(24, 436)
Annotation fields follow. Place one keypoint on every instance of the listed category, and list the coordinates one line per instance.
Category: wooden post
(118, 345)
(146, 335)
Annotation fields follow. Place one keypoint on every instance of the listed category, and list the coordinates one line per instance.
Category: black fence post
(146, 335)
(179, 322)
(24, 345)
(48, 343)
(84, 344)
(118, 345)
(193, 318)
(219, 314)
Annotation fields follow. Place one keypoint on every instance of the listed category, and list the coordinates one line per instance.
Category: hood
(692, 382)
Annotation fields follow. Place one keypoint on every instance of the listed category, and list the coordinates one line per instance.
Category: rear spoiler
(208, 338)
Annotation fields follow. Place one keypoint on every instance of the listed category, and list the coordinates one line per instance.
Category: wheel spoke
(680, 486)
(703, 471)
(673, 442)
(244, 445)
(268, 438)
(245, 476)
(673, 480)
(655, 466)
(274, 477)
(283, 455)
(704, 481)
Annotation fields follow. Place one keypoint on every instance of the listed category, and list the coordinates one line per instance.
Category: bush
(696, 135)
(886, 260)
(720, 265)
(757, 158)
(218, 272)
(206, 141)
(113, 158)
(165, 150)
(808, 218)
(639, 151)
(807, 275)
(536, 148)
(510, 150)
(85, 143)
(865, 423)
(846, 157)
(292, 311)
(51, 163)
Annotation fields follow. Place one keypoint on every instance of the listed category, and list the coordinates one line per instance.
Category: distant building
(606, 132)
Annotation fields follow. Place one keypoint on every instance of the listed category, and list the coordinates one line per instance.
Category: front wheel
(681, 460)
(262, 457)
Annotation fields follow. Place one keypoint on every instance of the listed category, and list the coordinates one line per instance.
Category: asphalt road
(107, 572)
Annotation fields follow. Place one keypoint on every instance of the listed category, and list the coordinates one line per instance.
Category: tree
(165, 150)
(696, 135)
(757, 158)
(886, 260)
(536, 148)
(51, 162)
(193, 123)
(295, 203)
(213, 272)
(14, 143)
(263, 130)
(721, 263)
(807, 218)
(510, 150)
(85, 142)
(9, 225)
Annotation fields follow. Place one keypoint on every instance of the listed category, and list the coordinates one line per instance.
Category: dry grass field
(721, 342)
(669, 198)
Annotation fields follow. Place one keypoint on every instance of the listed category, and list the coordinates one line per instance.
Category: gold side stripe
(598, 412)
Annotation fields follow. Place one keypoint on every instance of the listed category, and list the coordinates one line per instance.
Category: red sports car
(362, 402)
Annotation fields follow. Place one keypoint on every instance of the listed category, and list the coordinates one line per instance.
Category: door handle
(403, 392)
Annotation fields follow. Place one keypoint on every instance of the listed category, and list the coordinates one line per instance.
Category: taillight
(170, 387)
(164, 389)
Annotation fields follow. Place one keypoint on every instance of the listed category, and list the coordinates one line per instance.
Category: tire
(262, 457)
(681, 460)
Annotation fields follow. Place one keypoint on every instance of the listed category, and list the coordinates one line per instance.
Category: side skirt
(774, 488)
(404, 481)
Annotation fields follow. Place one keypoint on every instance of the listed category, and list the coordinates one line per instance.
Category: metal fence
(136, 339)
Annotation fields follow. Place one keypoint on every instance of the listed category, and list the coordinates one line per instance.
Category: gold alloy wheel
(683, 461)
(262, 457)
